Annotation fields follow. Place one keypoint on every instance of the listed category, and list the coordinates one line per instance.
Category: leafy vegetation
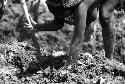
(18, 64)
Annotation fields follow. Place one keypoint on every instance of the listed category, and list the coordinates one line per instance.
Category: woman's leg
(80, 15)
(108, 27)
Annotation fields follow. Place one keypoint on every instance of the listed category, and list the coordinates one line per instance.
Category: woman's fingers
(32, 21)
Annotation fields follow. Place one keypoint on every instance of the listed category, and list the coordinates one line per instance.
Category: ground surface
(18, 60)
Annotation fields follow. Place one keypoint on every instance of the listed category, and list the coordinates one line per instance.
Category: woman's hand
(30, 27)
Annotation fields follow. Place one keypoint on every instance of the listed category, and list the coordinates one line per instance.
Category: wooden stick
(34, 39)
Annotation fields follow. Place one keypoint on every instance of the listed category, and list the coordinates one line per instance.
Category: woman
(83, 13)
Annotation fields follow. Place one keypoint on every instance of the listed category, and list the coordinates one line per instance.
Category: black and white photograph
(62, 41)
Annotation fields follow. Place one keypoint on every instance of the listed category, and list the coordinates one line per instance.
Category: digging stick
(34, 39)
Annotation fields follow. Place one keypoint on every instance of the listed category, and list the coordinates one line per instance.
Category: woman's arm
(53, 25)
